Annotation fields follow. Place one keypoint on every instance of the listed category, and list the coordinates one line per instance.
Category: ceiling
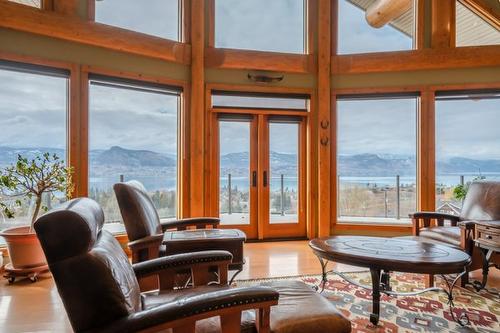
(471, 29)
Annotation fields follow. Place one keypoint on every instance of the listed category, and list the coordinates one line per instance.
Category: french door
(261, 174)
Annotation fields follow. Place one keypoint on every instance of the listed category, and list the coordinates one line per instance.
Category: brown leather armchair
(482, 203)
(100, 292)
(144, 229)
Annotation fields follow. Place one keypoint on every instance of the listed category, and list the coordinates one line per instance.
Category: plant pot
(25, 251)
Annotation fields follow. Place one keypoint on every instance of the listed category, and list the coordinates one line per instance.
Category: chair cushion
(300, 310)
(429, 240)
(447, 235)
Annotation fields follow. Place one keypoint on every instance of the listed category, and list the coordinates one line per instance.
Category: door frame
(306, 149)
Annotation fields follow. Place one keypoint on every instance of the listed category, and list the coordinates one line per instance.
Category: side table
(232, 240)
(488, 241)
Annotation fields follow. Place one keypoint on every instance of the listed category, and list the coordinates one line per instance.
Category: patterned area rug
(427, 312)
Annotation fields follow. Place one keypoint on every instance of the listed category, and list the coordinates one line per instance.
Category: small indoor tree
(32, 178)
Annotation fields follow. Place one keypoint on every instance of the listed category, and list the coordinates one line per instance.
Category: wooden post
(443, 24)
(426, 177)
(324, 117)
(66, 7)
(197, 110)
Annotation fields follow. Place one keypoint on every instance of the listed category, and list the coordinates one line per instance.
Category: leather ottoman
(300, 310)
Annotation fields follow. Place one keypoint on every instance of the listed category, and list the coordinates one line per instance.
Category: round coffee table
(384, 255)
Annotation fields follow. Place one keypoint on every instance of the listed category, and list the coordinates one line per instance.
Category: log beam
(382, 12)
(73, 29)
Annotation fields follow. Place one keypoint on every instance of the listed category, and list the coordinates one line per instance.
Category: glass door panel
(283, 172)
(260, 168)
(234, 172)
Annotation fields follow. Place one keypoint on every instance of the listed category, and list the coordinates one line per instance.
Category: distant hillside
(8, 155)
(237, 163)
(118, 156)
(372, 164)
(460, 164)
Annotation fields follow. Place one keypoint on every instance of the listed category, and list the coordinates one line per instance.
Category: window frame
(432, 90)
(184, 15)
(421, 177)
(72, 108)
(264, 60)
(310, 8)
(418, 38)
(183, 126)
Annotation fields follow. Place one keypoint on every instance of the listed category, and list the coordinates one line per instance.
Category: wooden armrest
(145, 248)
(183, 314)
(468, 225)
(181, 261)
(198, 264)
(146, 242)
(423, 220)
(434, 215)
(197, 222)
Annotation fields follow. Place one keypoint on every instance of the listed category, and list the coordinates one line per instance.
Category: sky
(33, 107)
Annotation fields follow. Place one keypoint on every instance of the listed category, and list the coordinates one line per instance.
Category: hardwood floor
(36, 307)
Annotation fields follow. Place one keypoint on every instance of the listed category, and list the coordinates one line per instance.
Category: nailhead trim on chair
(230, 304)
(186, 262)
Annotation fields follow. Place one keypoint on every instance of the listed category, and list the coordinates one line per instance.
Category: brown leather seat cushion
(447, 235)
(430, 240)
(300, 310)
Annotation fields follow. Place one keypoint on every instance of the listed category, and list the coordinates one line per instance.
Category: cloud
(154, 17)
(33, 107)
(377, 126)
(356, 36)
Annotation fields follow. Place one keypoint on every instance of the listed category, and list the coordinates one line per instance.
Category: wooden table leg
(374, 316)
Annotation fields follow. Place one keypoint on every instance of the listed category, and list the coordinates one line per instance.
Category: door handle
(254, 178)
(264, 180)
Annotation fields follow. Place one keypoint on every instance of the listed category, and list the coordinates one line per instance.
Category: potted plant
(21, 184)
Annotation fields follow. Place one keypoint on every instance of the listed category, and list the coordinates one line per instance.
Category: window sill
(374, 221)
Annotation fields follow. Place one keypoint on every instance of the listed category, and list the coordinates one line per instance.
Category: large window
(133, 135)
(376, 158)
(467, 142)
(153, 17)
(355, 35)
(276, 26)
(33, 109)
(473, 30)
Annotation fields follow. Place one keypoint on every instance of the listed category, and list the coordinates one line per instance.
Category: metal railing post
(339, 207)
(398, 198)
(122, 178)
(229, 194)
(282, 196)
(462, 180)
(385, 201)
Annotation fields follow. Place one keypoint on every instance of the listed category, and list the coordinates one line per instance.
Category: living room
(254, 166)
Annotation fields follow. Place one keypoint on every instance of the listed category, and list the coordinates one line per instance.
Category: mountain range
(348, 165)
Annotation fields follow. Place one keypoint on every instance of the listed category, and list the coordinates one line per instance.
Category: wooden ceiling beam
(426, 59)
(52, 24)
(382, 12)
(258, 60)
(485, 9)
